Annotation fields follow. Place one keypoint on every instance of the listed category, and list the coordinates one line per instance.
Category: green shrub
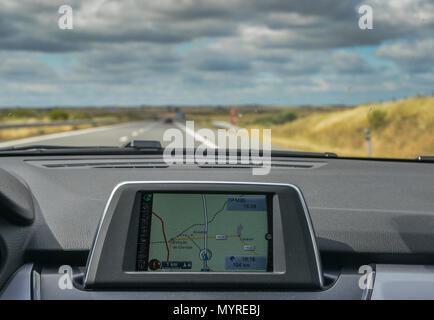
(22, 113)
(283, 117)
(133, 116)
(58, 115)
(377, 118)
(82, 115)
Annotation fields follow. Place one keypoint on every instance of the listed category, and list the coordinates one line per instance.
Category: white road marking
(123, 139)
(32, 140)
(141, 130)
(197, 136)
(134, 134)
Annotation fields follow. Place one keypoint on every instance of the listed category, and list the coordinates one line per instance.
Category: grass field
(19, 133)
(405, 131)
(95, 117)
(399, 129)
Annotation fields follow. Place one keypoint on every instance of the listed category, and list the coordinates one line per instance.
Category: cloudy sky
(193, 52)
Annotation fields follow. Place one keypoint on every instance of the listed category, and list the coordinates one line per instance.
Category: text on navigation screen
(204, 233)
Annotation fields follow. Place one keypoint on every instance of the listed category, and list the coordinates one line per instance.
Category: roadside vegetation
(284, 116)
(19, 133)
(401, 129)
(54, 120)
(28, 115)
(398, 129)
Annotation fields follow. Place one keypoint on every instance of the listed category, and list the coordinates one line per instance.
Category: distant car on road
(168, 120)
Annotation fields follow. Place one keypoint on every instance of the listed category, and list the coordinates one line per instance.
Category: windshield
(349, 77)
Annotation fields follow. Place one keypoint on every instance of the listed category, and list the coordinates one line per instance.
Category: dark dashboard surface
(371, 207)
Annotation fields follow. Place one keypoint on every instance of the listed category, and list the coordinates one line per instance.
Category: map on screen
(208, 232)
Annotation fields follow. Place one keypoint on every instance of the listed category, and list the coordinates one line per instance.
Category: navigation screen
(204, 233)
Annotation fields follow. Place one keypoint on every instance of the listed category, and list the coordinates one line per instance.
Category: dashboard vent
(101, 164)
(112, 165)
(249, 166)
(157, 163)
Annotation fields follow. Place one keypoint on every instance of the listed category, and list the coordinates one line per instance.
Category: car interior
(329, 217)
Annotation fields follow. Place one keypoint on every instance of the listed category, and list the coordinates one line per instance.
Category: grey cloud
(24, 69)
(237, 51)
(411, 55)
(304, 24)
(348, 62)
(223, 64)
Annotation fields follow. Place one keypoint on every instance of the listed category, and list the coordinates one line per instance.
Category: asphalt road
(115, 135)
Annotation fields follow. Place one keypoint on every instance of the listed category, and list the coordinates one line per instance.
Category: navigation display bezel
(296, 260)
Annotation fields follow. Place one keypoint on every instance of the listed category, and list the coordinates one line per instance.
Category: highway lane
(114, 135)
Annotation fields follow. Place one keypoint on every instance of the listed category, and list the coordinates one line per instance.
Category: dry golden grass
(19, 133)
(408, 130)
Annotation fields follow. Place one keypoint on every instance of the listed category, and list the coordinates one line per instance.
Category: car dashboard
(334, 228)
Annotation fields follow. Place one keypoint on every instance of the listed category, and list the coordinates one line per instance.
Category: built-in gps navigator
(204, 232)
(210, 234)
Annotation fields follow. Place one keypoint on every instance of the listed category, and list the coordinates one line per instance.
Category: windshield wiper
(134, 145)
(143, 144)
(42, 147)
(301, 154)
(425, 158)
